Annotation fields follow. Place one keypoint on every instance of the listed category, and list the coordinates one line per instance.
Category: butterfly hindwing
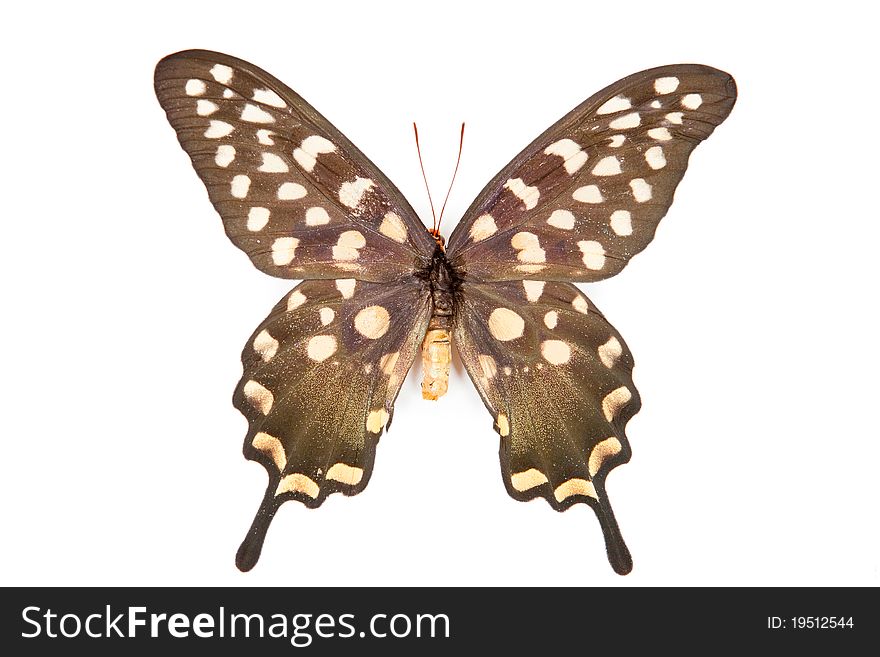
(557, 379)
(293, 192)
(587, 195)
(321, 374)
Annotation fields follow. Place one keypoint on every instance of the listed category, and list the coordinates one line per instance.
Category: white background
(751, 316)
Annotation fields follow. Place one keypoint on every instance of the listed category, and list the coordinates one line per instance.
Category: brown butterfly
(322, 371)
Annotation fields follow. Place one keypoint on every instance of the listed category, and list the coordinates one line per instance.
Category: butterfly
(379, 289)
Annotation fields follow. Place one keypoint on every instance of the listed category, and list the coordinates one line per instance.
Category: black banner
(435, 621)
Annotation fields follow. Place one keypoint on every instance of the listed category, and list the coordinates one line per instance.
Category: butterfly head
(441, 241)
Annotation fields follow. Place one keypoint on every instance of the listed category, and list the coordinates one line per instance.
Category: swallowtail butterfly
(378, 288)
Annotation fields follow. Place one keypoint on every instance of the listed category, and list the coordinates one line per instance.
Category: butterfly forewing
(293, 192)
(321, 374)
(588, 194)
(557, 379)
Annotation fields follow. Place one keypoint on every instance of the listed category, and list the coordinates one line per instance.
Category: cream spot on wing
(621, 222)
(265, 345)
(626, 121)
(376, 420)
(587, 194)
(346, 474)
(273, 164)
(240, 185)
(483, 227)
(298, 483)
(665, 85)
(372, 322)
(593, 254)
(221, 73)
(508, 371)
(610, 352)
(218, 129)
(580, 304)
(206, 107)
(575, 486)
(533, 290)
(616, 141)
(655, 158)
(529, 479)
(259, 397)
(503, 424)
(614, 401)
(692, 101)
(528, 195)
(257, 219)
(555, 352)
(321, 347)
(291, 191)
(528, 247)
(295, 300)
(641, 190)
(225, 155)
(307, 153)
(551, 319)
(660, 134)
(348, 246)
(272, 447)
(656, 104)
(616, 104)
(317, 216)
(284, 250)
(674, 117)
(265, 137)
(327, 315)
(530, 269)
(603, 450)
(570, 152)
(195, 87)
(346, 287)
(351, 193)
(488, 365)
(561, 219)
(607, 166)
(388, 362)
(505, 325)
(229, 93)
(254, 114)
(392, 226)
(268, 97)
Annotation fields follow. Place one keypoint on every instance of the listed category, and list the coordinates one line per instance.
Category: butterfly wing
(321, 374)
(557, 379)
(297, 196)
(587, 195)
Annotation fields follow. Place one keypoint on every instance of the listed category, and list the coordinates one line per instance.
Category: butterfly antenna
(425, 178)
(452, 182)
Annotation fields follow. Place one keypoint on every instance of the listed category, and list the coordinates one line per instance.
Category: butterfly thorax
(437, 345)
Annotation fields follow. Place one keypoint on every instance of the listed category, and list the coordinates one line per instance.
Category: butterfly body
(322, 371)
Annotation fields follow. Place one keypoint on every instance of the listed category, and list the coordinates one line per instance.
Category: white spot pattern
(195, 87)
(607, 166)
(217, 129)
(533, 290)
(291, 191)
(239, 186)
(665, 85)
(392, 226)
(346, 287)
(616, 104)
(528, 195)
(254, 114)
(588, 194)
(660, 134)
(206, 107)
(348, 246)
(321, 347)
(351, 193)
(317, 216)
(692, 101)
(372, 322)
(506, 325)
(655, 158)
(571, 153)
(563, 219)
(632, 120)
(551, 319)
(621, 222)
(483, 227)
(273, 164)
(528, 247)
(221, 73)
(610, 352)
(593, 254)
(284, 250)
(257, 219)
(225, 155)
(269, 97)
(311, 147)
(641, 190)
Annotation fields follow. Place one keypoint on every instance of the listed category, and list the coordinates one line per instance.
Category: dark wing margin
(588, 194)
(293, 192)
(321, 374)
(557, 379)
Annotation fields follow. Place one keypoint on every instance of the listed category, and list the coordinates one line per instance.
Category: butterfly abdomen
(437, 345)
